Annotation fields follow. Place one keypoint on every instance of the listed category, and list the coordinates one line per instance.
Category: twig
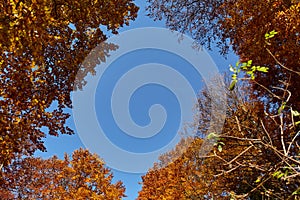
(228, 171)
(238, 123)
(297, 134)
(238, 138)
(247, 149)
(279, 63)
(268, 90)
(280, 153)
(281, 135)
(285, 90)
(270, 139)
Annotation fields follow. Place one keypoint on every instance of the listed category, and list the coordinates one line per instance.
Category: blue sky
(140, 104)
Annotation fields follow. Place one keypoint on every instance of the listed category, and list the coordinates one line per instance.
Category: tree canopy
(42, 47)
(252, 158)
(256, 155)
(83, 176)
(242, 25)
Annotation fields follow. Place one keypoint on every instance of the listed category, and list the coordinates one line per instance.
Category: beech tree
(83, 176)
(187, 177)
(258, 150)
(42, 47)
(256, 156)
(242, 25)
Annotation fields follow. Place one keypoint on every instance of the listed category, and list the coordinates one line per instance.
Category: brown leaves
(42, 46)
(258, 159)
(84, 176)
(242, 25)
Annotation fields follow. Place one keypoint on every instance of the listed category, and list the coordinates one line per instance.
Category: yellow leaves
(57, 37)
(35, 101)
(183, 179)
(33, 65)
(17, 121)
(37, 64)
(63, 178)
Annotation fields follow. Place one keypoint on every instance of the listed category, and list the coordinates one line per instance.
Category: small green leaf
(244, 65)
(232, 85)
(234, 76)
(212, 135)
(273, 32)
(262, 69)
(295, 113)
(220, 148)
(258, 180)
(232, 69)
(275, 174)
(281, 108)
(267, 35)
(280, 175)
(249, 63)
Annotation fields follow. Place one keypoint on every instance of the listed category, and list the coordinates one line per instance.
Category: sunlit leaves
(83, 176)
(42, 47)
(244, 26)
(270, 35)
(253, 158)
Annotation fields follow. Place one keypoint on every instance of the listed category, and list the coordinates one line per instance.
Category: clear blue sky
(65, 143)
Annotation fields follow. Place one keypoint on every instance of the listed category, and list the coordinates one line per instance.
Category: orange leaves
(40, 55)
(250, 165)
(174, 181)
(81, 177)
(241, 25)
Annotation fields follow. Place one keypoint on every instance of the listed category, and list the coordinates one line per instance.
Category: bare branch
(279, 63)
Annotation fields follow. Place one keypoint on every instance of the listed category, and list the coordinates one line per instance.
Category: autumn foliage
(83, 176)
(256, 155)
(42, 47)
(242, 25)
(251, 159)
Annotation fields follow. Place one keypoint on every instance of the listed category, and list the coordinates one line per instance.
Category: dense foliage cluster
(84, 176)
(242, 25)
(42, 47)
(257, 154)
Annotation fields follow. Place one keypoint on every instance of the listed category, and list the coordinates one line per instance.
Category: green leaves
(295, 113)
(247, 68)
(232, 85)
(213, 135)
(278, 174)
(217, 138)
(270, 34)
